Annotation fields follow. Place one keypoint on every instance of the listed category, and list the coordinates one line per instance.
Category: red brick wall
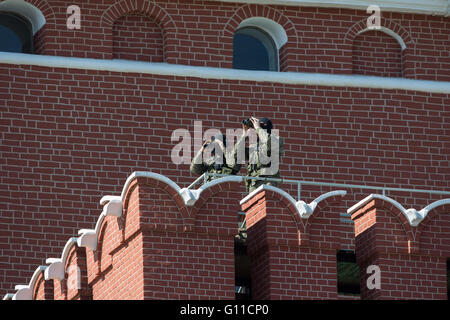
(255, 213)
(197, 264)
(409, 267)
(434, 231)
(60, 287)
(201, 33)
(71, 136)
(124, 280)
(136, 37)
(292, 258)
(40, 41)
(406, 277)
(284, 58)
(76, 274)
(161, 249)
(44, 289)
(115, 267)
(377, 54)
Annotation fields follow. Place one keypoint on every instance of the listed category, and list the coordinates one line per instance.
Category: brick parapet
(398, 242)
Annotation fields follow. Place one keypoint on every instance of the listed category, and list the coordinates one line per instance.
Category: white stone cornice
(88, 237)
(25, 292)
(432, 7)
(294, 78)
(8, 296)
(57, 268)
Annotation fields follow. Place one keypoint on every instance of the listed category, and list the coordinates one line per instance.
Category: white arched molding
(113, 205)
(274, 29)
(88, 238)
(25, 292)
(388, 32)
(304, 209)
(189, 196)
(20, 7)
(414, 216)
(57, 268)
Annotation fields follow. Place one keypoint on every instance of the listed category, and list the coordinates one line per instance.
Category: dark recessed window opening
(16, 33)
(254, 49)
(348, 273)
(242, 269)
(242, 262)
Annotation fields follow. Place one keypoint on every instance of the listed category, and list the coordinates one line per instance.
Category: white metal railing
(203, 178)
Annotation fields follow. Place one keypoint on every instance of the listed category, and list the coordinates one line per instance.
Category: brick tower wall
(70, 136)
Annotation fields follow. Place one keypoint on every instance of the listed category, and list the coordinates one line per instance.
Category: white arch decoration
(113, 205)
(274, 29)
(413, 216)
(388, 32)
(33, 14)
(25, 292)
(57, 268)
(304, 209)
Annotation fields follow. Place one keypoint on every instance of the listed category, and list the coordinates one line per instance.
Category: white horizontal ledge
(303, 78)
(433, 7)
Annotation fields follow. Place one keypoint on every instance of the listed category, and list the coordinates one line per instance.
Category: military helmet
(266, 123)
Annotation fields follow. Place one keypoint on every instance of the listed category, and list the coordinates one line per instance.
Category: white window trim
(33, 14)
(274, 29)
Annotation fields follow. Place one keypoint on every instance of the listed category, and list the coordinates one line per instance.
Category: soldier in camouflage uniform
(200, 165)
(263, 157)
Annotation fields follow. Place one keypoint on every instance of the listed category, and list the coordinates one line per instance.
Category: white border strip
(312, 79)
(433, 7)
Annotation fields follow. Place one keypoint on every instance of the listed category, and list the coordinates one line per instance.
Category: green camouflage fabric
(270, 145)
(199, 167)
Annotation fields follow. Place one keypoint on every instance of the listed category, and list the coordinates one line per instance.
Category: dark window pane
(15, 33)
(253, 49)
(9, 40)
(250, 53)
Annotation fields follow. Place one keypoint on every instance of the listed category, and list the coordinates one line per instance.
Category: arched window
(257, 43)
(16, 33)
(254, 49)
